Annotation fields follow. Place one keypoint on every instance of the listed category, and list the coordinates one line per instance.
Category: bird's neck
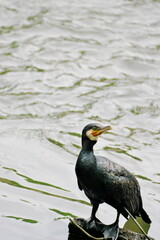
(87, 144)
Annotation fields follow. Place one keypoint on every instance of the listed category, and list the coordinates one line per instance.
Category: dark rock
(76, 234)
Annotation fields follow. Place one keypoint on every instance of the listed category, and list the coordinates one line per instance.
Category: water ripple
(64, 65)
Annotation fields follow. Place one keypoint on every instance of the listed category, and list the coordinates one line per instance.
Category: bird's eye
(94, 128)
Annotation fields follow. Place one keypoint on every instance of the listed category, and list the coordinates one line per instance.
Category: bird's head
(93, 130)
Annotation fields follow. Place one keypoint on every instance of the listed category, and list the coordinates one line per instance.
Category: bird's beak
(101, 130)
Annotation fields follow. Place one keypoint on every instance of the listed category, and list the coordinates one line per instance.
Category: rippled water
(64, 64)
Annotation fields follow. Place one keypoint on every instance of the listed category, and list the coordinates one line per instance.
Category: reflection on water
(63, 65)
(16, 184)
(34, 181)
(23, 219)
(65, 214)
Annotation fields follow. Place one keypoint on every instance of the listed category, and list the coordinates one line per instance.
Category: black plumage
(105, 181)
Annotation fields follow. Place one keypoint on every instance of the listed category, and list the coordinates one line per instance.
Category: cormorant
(105, 181)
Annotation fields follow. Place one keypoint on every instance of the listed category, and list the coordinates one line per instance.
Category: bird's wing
(131, 194)
(120, 184)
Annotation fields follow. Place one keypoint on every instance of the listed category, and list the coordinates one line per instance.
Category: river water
(64, 64)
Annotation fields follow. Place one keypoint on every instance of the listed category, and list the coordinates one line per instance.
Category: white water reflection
(65, 64)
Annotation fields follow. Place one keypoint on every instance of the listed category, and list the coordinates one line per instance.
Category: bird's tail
(145, 216)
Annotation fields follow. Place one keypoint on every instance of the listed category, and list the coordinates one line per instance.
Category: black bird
(105, 181)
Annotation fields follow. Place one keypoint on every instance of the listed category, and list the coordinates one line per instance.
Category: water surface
(65, 64)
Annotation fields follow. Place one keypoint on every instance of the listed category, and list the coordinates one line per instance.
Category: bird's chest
(85, 168)
(85, 165)
(88, 177)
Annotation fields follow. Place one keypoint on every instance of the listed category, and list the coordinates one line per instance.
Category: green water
(64, 64)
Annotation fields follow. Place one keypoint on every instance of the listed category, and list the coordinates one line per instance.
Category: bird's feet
(111, 231)
(93, 226)
(91, 223)
(96, 228)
